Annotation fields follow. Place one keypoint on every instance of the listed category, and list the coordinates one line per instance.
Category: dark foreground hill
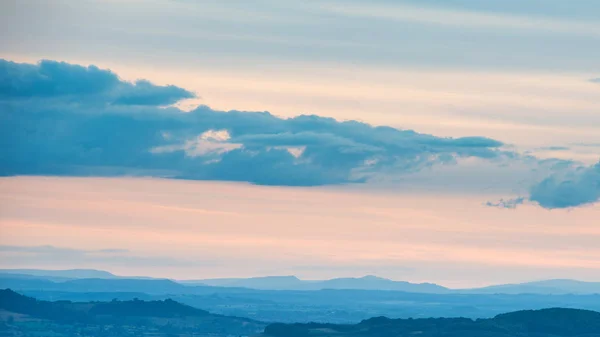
(25, 316)
(539, 323)
(22, 315)
(292, 306)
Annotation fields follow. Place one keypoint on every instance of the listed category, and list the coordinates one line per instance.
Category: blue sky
(492, 103)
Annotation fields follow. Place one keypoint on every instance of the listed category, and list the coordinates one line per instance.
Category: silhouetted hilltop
(148, 286)
(553, 287)
(87, 311)
(557, 321)
(121, 318)
(63, 311)
(136, 317)
(368, 282)
(539, 323)
(288, 306)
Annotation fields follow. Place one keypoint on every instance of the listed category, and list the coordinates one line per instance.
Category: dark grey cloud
(63, 119)
(568, 188)
(51, 79)
(595, 80)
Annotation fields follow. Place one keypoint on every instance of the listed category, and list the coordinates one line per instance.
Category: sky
(455, 142)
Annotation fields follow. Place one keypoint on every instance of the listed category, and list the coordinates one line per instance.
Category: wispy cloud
(51, 255)
(282, 228)
(510, 203)
(74, 83)
(463, 18)
(554, 148)
(57, 250)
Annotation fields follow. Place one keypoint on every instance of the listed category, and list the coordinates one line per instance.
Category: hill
(330, 305)
(149, 286)
(88, 311)
(541, 323)
(128, 317)
(548, 287)
(368, 282)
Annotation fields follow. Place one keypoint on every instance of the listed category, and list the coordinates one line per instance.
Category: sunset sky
(455, 142)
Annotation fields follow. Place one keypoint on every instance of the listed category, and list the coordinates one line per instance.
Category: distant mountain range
(25, 316)
(148, 286)
(327, 305)
(293, 283)
(547, 287)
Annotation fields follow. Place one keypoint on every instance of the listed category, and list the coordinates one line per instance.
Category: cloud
(570, 188)
(51, 79)
(145, 93)
(209, 142)
(113, 250)
(510, 203)
(595, 80)
(554, 148)
(42, 255)
(64, 119)
(55, 250)
(444, 16)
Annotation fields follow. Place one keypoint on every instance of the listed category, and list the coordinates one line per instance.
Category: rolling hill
(547, 287)
(555, 322)
(149, 286)
(368, 282)
(28, 316)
